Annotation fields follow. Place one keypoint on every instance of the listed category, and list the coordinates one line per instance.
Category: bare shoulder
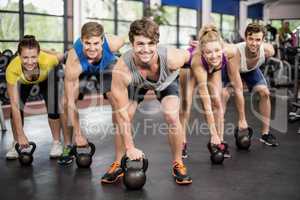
(73, 68)
(177, 58)
(121, 72)
(230, 50)
(115, 42)
(196, 61)
(269, 50)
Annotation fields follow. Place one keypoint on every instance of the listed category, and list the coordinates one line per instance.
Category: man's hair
(92, 29)
(255, 28)
(29, 42)
(144, 27)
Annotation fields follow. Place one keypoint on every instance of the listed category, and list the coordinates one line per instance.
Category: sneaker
(184, 151)
(269, 139)
(113, 173)
(180, 174)
(12, 153)
(66, 157)
(56, 149)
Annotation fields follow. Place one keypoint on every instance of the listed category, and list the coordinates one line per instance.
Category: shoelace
(113, 167)
(66, 152)
(271, 136)
(180, 167)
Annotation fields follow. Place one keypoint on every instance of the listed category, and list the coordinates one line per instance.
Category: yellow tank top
(15, 74)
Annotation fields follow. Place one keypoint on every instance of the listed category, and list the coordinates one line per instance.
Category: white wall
(284, 11)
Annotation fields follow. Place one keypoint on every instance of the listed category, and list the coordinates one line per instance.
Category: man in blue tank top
(92, 54)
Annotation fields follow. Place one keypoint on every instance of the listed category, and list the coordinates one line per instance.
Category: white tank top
(244, 68)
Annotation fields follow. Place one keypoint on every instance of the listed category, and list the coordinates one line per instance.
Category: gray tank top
(166, 77)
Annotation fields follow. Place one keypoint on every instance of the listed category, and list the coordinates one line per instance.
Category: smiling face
(92, 47)
(144, 48)
(212, 53)
(254, 41)
(29, 58)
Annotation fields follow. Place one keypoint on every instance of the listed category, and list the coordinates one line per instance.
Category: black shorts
(138, 93)
(100, 81)
(49, 89)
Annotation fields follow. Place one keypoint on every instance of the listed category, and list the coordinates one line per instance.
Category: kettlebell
(25, 158)
(134, 177)
(243, 141)
(217, 153)
(84, 160)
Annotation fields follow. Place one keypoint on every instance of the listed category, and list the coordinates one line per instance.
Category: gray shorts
(138, 93)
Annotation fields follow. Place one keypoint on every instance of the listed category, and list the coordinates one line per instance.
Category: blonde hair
(209, 33)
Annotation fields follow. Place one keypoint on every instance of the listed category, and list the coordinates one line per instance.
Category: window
(9, 5)
(44, 27)
(130, 10)
(228, 27)
(51, 7)
(216, 19)
(44, 19)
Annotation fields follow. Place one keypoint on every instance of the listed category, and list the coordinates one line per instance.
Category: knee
(171, 119)
(217, 106)
(264, 93)
(53, 116)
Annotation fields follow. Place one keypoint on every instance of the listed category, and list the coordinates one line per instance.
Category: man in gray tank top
(251, 55)
(148, 66)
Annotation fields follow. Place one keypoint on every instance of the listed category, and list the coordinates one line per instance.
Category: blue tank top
(107, 58)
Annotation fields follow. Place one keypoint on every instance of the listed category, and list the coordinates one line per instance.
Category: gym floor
(260, 173)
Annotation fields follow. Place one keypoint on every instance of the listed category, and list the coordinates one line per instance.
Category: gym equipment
(84, 160)
(25, 158)
(8, 53)
(4, 60)
(294, 100)
(217, 152)
(278, 73)
(134, 177)
(243, 138)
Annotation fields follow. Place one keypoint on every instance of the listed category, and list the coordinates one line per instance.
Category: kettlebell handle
(250, 131)
(17, 147)
(91, 145)
(125, 158)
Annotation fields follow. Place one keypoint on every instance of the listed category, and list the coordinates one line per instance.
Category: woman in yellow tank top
(33, 66)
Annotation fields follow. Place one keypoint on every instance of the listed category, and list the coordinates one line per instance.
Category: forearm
(208, 112)
(17, 121)
(124, 125)
(73, 115)
(240, 103)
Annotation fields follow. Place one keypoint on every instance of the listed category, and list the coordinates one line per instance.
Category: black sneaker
(67, 156)
(184, 151)
(113, 173)
(180, 174)
(269, 139)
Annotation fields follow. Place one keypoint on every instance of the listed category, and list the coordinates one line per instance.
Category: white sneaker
(56, 149)
(12, 154)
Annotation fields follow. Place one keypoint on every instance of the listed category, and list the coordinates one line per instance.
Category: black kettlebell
(84, 160)
(25, 158)
(134, 177)
(216, 152)
(243, 141)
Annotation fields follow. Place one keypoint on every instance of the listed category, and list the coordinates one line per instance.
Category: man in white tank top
(149, 66)
(251, 55)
